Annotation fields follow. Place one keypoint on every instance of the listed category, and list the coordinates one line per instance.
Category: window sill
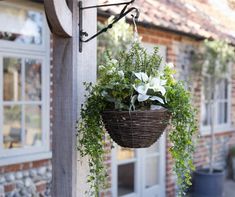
(218, 131)
(25, 158)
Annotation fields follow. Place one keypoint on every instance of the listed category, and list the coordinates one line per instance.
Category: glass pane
(221, 113)
(20, 25)
(12, 127)
(154, 148)
(206, 114)
(125, 153)
(207, 93)
(126, 179)
(226, 89)
(151, 172)
(33, 125)
(33, 83)
(225, 112)
(12, 79)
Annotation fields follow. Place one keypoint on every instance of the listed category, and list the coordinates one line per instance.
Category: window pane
(151, 172)
(225, 88)
(33, 125)
(12, 79)
(126, 179)
(12, 127)
(223, 112)
(20, 25)
(125, 153)
(33, 83)
(206, 114)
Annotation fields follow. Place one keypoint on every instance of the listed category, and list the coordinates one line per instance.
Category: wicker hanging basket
(136, 129)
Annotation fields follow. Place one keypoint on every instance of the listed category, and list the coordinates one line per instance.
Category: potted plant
(212, 63)
(135, 96)
(231, 161)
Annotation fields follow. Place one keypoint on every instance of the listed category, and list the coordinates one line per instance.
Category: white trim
(25, 158)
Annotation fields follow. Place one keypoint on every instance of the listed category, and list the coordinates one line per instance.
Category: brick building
(177, 27)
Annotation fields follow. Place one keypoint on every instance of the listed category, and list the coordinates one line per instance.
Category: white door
(153, 170)
(139, 172)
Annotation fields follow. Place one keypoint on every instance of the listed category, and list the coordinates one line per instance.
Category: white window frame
(17, 50)
(219, 128)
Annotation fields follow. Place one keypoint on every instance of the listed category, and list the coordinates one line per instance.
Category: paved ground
(229, 188)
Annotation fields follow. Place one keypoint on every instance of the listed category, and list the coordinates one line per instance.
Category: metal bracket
(123, 13)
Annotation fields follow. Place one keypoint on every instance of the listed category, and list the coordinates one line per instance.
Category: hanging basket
(136, 129)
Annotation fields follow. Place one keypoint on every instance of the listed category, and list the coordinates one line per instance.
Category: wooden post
(68, 92)
(65, 53)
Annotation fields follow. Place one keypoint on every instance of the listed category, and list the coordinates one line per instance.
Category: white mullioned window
(24, 83)
(222, 106)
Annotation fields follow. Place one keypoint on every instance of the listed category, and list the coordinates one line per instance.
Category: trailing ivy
(182, 133)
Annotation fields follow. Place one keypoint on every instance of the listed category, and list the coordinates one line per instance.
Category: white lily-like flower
(154, 83)
(156, 98)
(157, 85)
(143, 97)
(142, 76)
(142, 89)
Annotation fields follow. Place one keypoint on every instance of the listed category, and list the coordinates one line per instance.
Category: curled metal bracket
(122, 14)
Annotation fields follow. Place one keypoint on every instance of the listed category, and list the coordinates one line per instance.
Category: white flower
(142, 89)
(157, 85)
(111, 71)
(156, 98)
(142, 76)
(113, 61)
(121, 73)
(142, 97)
(154, 83)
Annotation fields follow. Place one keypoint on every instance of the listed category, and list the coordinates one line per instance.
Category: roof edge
(145, 24)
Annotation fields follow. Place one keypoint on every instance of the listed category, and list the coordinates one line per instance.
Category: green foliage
(135, 81)
(213, 59)
(183, 129)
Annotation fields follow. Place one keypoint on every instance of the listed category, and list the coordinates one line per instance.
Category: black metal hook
(123, 13)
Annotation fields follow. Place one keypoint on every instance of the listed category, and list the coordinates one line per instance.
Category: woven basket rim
(137, 111)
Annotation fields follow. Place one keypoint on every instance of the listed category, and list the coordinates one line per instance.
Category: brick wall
(26, 179)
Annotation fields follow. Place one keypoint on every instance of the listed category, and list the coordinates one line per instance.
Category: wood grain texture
(59, 16)
(64, 154)
(87, 66)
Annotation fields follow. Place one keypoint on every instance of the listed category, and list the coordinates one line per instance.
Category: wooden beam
(64, 154)
(60, 17)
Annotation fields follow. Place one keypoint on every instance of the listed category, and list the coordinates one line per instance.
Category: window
(24, 82)
(222, 104)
